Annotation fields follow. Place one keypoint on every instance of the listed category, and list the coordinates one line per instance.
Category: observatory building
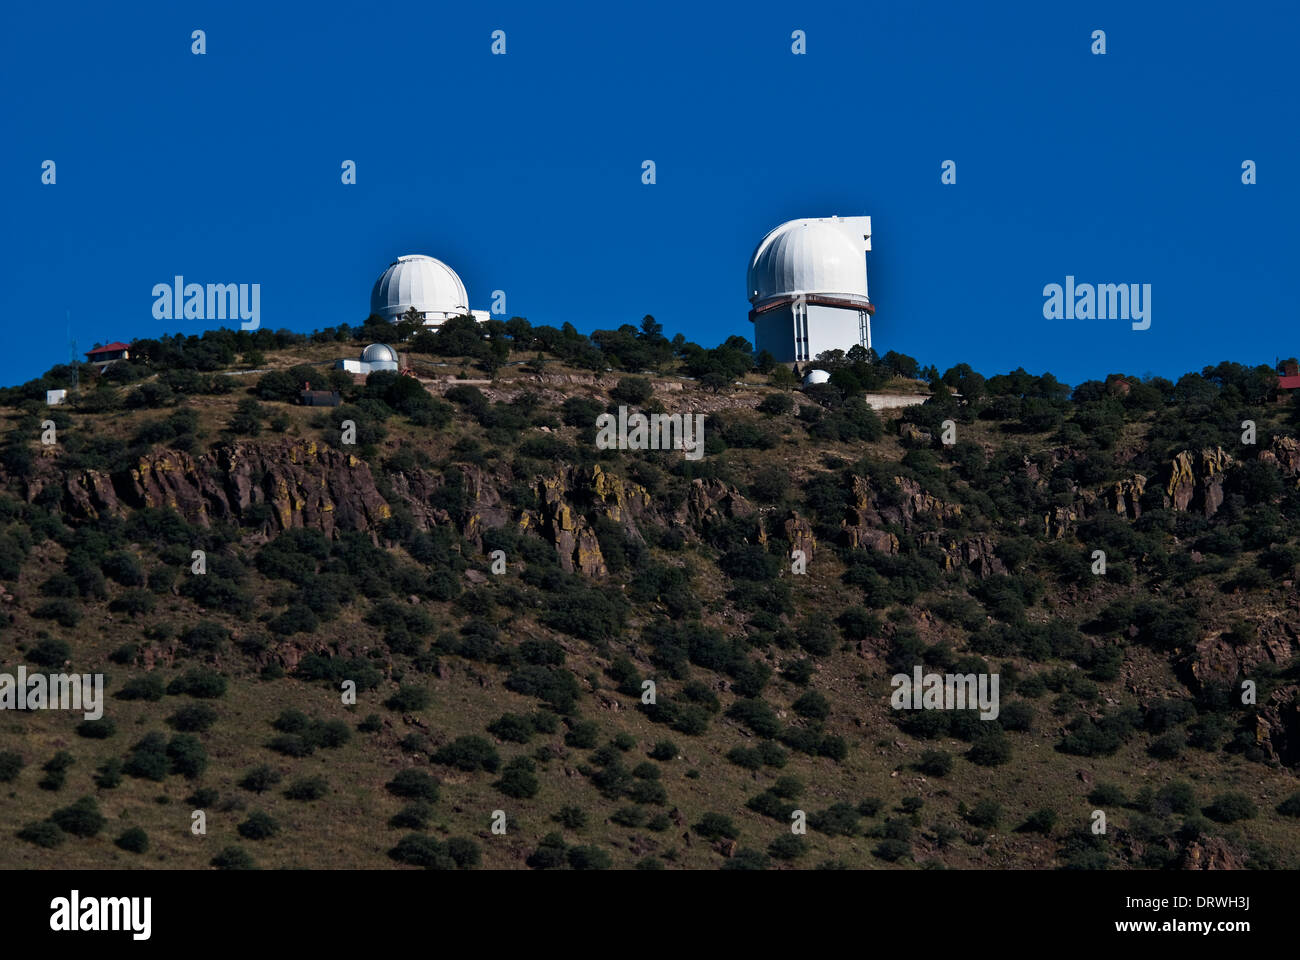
(807, 281)
(377, 356)
(428, 285)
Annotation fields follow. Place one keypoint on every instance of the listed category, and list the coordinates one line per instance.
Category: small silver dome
(379, 353)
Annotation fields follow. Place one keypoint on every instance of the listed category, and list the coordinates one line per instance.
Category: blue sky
(523, 171)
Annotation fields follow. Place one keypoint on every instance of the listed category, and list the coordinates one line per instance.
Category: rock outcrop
(862, 522)
(710, 500)
(1196, 481)
(1125, 496)
(799, 533)
(1277, 726)
(1216, 658)
(1284, 453)
(557, 521)
(305, 484)
(1212, 853)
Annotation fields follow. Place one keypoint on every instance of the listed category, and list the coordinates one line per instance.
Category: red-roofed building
(108, 352)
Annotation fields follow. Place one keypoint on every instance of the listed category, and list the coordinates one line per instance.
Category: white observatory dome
(379, 353)
(815, 256)
(815, 377)
(422, 282)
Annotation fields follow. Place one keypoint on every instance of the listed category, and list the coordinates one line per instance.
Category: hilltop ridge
(500, 591)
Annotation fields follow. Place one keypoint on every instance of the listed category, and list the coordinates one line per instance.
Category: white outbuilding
(377, 356)
(807, 283)
(425, 283)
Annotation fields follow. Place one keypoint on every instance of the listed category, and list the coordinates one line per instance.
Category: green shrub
(11, 764)
(413, 816)
(203, 797)
(148, 687)
(408, 699)
(986, 814)
(663, 750)
(193, 718)
(1040, 821)
(464, 851)
(1177, 797)
(990, 750)
(892, 850)
(837, 820)
(550, 853)
(629, 816)
(746, 858)
(788, 847)
(96, 729)
(258, 826)
(1230, 807)
(260, 779)
(187, 756)
(746, 757)
(812, 705)
(870, 806)
(307, 788)
(1017, 716)
(63, 611)
(148, 759)
(81, 819)
(56, 770)
(648, 791)
(512, 727)
(788, 788)
(292, 745)
(199, 682)
(518, 779)
(468, 753)
(935, 763)
(1107, 795)
(50, 653)
(44, 833)
(414, 784)
(571, 817)
(232, 858)
(589, 858)
(583, 735)
(330, 735)
(1167, 747)
(133, 840)
(716, 826)
(109, 774)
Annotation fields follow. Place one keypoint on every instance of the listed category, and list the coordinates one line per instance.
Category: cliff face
(280, 484)
(1197, 480)
(303, 483)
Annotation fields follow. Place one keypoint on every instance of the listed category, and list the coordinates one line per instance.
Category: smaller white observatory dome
(815, 377)
(379, 353)
(427, 284)
(823, 256)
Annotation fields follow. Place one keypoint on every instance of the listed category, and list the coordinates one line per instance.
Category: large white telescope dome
(823, 256)
(428, 285)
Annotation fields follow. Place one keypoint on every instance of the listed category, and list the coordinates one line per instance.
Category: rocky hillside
(473, 638)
